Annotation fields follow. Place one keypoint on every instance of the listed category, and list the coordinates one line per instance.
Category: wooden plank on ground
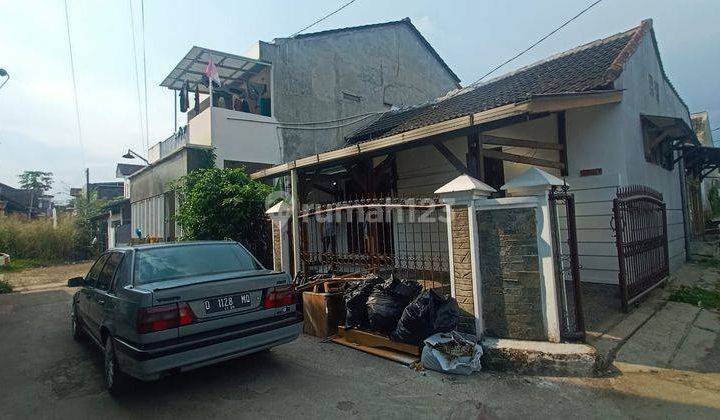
(369, 339)
(395, 356)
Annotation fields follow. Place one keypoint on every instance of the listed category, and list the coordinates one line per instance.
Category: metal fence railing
(405, 237)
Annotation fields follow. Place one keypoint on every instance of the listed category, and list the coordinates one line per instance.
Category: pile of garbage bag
(451, 353)
(400, 309)
(387, 302)
(356, 297)
(428, 314)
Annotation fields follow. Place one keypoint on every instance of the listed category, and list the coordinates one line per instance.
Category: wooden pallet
(378, 345)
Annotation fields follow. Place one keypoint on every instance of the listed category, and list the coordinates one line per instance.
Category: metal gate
(640, 226)
(567, 265)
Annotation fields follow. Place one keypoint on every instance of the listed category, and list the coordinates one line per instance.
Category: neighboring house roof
(590, 67)
(126, 169)
(405, 22)
(19, 197)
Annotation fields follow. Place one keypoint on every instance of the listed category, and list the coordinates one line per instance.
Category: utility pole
(87, 185)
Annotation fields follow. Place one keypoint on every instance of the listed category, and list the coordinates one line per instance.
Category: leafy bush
(219, 204)
(5, 287)
(36, 239)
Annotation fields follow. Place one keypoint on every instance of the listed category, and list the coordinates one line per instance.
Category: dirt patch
(45, 275)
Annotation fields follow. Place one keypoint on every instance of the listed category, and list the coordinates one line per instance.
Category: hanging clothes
(197, 100)
(184, 99)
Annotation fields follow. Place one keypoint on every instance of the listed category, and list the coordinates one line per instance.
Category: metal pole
(87, 184)
(175, 106)
(295, 207)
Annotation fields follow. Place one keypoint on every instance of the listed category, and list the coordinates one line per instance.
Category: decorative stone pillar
(279, 215)
(536, 182)
(459, 195)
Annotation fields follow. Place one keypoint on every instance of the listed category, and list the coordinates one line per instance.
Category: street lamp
(4, 73)
(132, 155)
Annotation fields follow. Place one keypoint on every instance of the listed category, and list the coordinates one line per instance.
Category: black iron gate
(567, 265)
(640, 225)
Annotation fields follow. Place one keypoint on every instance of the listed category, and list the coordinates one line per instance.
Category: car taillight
(279, 296)
(158, 318)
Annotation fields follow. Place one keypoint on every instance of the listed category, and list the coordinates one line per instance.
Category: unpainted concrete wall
(327, 77)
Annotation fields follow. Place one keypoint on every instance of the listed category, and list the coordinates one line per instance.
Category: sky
(38, 128)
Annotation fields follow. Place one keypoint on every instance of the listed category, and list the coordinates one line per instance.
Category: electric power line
(75, 95)
(715, 129)
(567, 22)
(324, 17)
(147, 129)
(141, 131)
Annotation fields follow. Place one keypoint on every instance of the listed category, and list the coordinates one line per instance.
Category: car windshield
(164, 263)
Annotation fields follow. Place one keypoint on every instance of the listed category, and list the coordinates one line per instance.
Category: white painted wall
(236, 135)
(610, 137)
(244, 137)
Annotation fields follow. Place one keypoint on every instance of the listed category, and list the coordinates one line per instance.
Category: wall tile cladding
(509, 269)
(462, 268)
(277, 246)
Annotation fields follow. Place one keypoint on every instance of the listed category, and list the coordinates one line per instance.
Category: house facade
(602, 119)
(285, 99)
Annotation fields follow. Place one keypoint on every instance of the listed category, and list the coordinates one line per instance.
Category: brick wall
(462, 268)
(509, 269)
(277, 246)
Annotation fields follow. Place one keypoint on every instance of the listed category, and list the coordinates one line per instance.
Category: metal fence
(640, 225)
(406, 237)
(567, 263)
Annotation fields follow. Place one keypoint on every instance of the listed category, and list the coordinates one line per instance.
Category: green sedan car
(164, 308)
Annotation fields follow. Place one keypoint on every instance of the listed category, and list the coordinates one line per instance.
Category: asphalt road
(45, 374)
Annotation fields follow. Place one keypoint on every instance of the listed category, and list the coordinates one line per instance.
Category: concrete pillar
(459, 195)
(536, 182)
(280, 219)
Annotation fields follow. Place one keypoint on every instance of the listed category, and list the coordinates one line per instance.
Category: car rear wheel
(78, 333)
(115, 380)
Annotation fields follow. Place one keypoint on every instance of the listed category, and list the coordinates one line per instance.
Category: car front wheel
(115, 379)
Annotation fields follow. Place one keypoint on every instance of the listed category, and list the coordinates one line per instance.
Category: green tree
(220, 204)
(38, 182)
(86, 226)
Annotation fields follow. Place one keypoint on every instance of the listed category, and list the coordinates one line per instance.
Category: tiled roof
(126, 169)
(407, 22)
(593, 66)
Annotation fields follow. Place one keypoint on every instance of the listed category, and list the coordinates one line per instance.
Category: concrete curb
(539, 357)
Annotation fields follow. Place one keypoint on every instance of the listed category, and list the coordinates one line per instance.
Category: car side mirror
(76, 282)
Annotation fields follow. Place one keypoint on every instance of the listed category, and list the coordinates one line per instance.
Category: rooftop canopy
(192, 68)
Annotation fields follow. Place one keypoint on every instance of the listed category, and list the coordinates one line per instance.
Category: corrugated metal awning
(192, 68)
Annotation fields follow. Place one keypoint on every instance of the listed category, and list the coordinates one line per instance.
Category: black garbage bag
(356, 296)
(428, 314)
(447, 317)
(418, 319)
(387, 302)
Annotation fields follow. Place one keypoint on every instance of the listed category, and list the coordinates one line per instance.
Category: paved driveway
(45, 374)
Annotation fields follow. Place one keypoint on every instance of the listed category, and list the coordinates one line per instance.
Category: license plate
(227, 303)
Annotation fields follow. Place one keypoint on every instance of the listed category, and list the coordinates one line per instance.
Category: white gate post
(279, 215)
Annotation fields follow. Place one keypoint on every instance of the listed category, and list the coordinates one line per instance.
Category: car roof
(169, 245)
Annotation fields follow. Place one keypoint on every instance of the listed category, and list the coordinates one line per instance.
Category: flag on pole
(212, 73)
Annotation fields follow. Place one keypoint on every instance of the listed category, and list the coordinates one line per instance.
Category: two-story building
(284, 99)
